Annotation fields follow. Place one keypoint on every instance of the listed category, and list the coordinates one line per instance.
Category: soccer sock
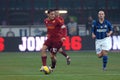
(105, 59)
(63, 53)
(53, 61)
(44, 58)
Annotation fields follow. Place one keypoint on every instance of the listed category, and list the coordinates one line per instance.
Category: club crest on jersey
(105, 26)
(101, 26)
(53, 21)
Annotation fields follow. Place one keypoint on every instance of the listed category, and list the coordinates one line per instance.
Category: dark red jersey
(55, 28)
(63, 30)
(61, 18)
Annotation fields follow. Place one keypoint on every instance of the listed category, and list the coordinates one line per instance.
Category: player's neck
(101, 20)
(50, 19)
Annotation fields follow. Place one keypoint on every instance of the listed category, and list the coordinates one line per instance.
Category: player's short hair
(50, 10)
(56, 9)
(101, 11)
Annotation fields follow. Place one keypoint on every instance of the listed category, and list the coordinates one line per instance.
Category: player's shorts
(103, 44)
(53, 45)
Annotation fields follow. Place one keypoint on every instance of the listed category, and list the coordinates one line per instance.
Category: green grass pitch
(84, 66)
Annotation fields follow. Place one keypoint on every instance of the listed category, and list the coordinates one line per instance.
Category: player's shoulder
(59, 19)
(46, 20)
(107, 21)
(95, 22)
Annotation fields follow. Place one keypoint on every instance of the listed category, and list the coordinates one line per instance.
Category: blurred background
(24, 18)
(22, 34)
(29, 12)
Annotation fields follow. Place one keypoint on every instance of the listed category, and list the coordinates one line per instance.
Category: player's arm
(63, 29)
(110, 33)
(110, 29)
(64, 32)
(93, 30)
(93, 36)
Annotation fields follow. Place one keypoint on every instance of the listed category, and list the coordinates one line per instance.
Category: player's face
(51, 15)
(101, 15)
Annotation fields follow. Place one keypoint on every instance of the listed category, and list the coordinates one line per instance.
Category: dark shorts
(53, 45)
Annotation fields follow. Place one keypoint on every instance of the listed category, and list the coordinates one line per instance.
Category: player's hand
(93, 36)
(108, 34)
(63, 39)
(47, 35)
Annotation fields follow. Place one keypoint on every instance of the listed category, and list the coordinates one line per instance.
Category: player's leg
(43, 56)
(53, 60)
(98, 49)
(46, 45)
(54, 49)
(105, 59)
(100, 55)
(64, 54)
(105, 48)
(103, 55)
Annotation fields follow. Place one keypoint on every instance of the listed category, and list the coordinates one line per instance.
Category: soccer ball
(46, 70)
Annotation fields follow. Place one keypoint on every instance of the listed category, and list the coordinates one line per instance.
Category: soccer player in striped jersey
(101, 31)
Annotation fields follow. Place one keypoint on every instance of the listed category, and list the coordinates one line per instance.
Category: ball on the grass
(46, 70)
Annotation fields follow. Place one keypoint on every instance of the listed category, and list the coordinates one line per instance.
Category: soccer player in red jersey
(56, 34)
(61, 49)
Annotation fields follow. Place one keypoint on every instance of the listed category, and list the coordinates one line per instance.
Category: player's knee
(53, 57)
(43, 49)
(60, 50)
(105, 53)
(99, 55)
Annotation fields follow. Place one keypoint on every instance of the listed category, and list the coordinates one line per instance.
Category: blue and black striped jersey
(101, 30)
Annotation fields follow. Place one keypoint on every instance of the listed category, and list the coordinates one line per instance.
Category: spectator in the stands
(89, 25)
(72, 27)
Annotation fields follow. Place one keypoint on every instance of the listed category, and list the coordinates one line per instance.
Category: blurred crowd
(72, 26)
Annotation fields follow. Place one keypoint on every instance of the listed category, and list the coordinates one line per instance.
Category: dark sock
(105, 59)
(53, 63)
(44, 58)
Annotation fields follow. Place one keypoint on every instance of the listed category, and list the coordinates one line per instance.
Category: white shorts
(103, 44)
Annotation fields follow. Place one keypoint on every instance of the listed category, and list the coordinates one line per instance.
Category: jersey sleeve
(62, 27)
(61, 18)
(59, 22)
(110, 27)
(64, 31)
